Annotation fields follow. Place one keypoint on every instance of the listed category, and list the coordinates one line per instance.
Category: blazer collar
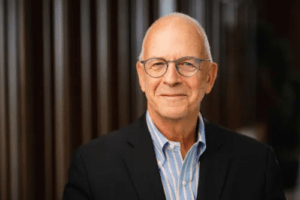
(213, 165)
(141, 162)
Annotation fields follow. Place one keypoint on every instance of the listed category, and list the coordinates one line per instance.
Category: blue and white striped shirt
(179, 177)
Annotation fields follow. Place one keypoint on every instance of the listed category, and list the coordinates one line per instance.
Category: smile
(173, 95)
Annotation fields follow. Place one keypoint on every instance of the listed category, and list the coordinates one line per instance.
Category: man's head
(174, 96)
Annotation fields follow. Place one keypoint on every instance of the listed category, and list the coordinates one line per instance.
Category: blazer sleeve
(274, 190)
(78, 187)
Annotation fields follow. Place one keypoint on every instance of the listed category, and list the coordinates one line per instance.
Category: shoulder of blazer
(232, 142)
(116, 142)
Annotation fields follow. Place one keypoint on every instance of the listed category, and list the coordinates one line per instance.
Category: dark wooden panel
(124, 63)
(197, 11)
(113, 64)
(221, 82)
(4, 173)
(94, 67)
(133, 58)
(248, 26)
(182, 6)
(48, 103)
(62, 98)
(168, 6)
(228, 25)
(103, 76)
(75, 72)
(212, 103)
(13, 100)
(85, 22)
(25, 108)
(139, 24)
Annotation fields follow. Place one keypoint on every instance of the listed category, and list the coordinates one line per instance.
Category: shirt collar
(161, 142)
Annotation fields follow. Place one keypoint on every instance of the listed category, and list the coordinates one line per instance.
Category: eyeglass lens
(157, 67)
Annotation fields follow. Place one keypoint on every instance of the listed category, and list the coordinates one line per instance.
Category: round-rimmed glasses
(186, 66)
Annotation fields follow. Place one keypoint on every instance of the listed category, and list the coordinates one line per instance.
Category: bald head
(177, 23)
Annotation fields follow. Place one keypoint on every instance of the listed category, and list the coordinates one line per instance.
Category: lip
(173, 95)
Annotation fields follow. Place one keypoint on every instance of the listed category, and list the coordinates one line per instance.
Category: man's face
(174, 96)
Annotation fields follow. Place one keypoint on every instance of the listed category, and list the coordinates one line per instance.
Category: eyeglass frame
(176, 64)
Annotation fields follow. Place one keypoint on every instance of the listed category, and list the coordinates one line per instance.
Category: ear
(141, 75)
(211, 76)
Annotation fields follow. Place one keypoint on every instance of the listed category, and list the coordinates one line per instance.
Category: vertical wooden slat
(61, 97)
(26, 189)
(231, 71)
(166, 7)
(199, 11)
(86, 70)
(215, 37)
(133, 59)
(182, 6)
(211, 104)
(104, 113)
(141, 21)
(4, 183)
(123, 63)
(218, 42)
(215, 106)
(223, 71)
(251, 62)
(13, 101)
(48, 128)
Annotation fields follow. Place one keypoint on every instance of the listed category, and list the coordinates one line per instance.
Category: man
(171, 152)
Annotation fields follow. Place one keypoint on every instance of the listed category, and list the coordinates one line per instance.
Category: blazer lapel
(213, 166)
(141, 163)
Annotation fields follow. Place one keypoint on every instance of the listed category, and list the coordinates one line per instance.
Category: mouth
(173, 95)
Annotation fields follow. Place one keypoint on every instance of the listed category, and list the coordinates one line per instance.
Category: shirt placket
(185, 177)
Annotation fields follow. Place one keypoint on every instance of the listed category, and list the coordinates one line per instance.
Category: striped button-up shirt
(179, 177)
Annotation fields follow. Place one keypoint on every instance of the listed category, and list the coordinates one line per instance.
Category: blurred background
(67, 75)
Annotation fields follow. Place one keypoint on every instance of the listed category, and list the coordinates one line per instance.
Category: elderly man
(171, 152)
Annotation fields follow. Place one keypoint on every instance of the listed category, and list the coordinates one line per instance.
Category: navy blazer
(122, 165)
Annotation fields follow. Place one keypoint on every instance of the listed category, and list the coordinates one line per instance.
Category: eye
(155, 64)
(188, 64)
(158, 63)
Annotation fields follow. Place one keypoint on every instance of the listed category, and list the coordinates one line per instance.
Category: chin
(173, 113)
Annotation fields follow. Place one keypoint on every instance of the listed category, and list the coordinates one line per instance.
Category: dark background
(67, 75)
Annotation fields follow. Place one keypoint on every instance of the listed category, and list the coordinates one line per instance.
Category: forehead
(174, 39)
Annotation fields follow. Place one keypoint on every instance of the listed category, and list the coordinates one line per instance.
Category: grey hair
(195, 22)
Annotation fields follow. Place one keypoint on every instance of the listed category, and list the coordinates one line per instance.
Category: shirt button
(171, 147)
(183, 183)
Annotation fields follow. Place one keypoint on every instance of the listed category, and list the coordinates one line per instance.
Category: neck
(178, 130)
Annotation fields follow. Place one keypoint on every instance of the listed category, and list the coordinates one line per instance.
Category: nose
(172, 77)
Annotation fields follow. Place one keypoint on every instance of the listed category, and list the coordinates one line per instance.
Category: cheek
(151, 87)
(198, 88)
